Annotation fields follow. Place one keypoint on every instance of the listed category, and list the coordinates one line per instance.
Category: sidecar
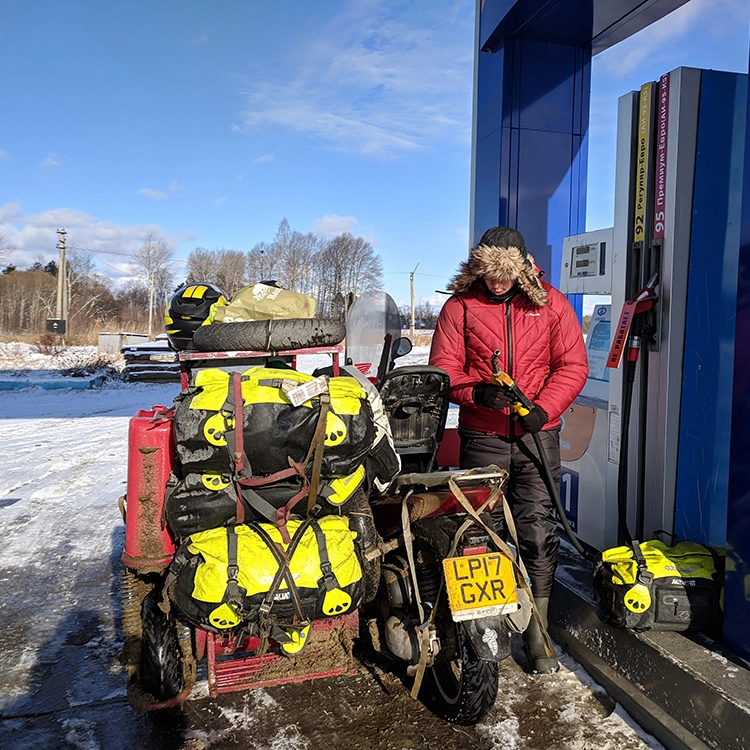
(162, 650)
(165, 650)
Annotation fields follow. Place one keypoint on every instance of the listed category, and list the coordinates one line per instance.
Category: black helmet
(189, 308)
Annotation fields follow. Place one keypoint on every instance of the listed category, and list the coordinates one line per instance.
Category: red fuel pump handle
(641, 303)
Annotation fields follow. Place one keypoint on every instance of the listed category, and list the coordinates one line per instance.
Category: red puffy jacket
(541, 347)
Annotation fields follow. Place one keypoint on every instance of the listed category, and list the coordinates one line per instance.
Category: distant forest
(332, 271)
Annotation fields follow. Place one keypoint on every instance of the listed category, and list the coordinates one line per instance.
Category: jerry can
(149, 544)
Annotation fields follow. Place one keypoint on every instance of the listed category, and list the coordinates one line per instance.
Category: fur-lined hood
(501, 263)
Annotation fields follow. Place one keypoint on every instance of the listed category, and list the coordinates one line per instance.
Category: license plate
(480, 586)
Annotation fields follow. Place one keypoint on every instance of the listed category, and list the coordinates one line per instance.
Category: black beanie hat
(504, 237)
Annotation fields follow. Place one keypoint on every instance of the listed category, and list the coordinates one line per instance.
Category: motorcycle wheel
(463, 690)
(161, 672)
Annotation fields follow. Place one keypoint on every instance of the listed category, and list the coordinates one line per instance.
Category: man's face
(498, 286)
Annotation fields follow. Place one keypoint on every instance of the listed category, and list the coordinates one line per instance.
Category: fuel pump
(645, 447)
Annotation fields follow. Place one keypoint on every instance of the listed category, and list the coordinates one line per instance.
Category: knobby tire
(161, 672)
(468, 697)
(269, 335)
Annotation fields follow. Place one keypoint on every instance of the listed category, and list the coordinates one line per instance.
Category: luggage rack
(191, 360)
(230, 670)
(433, 480)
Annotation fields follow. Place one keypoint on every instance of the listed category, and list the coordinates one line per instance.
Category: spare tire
(269, 335)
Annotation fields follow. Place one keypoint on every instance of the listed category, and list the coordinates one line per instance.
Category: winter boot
(533, 641)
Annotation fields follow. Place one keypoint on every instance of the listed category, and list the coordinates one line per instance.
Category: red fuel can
(149, 544)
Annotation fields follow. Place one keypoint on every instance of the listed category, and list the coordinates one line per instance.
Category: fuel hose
(521, 407)
(549, 481)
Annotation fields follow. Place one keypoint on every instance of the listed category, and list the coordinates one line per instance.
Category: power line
(79, 246)
(409, 273)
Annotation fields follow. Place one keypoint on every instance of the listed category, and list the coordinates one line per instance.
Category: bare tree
(263, 262)
(153, 262)
(333, 272)
(225, 268)
(231, 270)
(347, 268)
(5, 250)
(132, 305)
(299, 260)
(26, 299)
(426, 314)
(90, 297)
(200, 264)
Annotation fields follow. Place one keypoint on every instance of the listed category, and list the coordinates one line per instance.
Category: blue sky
(206, 123)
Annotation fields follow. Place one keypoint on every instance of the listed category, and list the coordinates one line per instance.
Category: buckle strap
(234, 594)
(643, 574)
(329, 577)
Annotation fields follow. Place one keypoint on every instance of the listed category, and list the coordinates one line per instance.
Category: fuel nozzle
(521, 405)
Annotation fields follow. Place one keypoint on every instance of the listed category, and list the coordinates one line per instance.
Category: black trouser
(532, 508)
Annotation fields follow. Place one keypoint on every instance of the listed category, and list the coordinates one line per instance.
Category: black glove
(491, 396)
(534, 420)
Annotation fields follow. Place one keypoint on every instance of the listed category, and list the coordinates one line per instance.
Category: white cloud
(35, 235)
(219, 201)
(52, 160)
(333, 225)
(201, 40)
(377, 81)
(8, 212)
(265, 158)
(3, 154)
(157, 195)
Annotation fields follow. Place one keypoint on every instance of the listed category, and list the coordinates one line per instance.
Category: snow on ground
(64, 458)
(31, 363)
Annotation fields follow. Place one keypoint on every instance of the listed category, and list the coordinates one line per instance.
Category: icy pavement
(64, 457)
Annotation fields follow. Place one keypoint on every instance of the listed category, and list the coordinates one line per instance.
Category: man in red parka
(500, 304)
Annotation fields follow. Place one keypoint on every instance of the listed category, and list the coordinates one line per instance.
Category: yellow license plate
(480, 585)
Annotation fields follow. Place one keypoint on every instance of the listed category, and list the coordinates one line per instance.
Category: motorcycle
(441, 592)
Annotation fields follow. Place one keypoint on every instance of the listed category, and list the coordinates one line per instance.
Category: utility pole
(60, 309)
(59, 324)
(411, 282)
(151, 292)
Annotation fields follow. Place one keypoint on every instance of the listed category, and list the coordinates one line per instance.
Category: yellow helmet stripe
(197, 291)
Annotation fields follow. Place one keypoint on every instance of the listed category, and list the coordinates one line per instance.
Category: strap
(511, 526)
(644, 575)
(234, 595)
(278, 382)
(523, 578)
(235, 387)
(279, 516)
(329, 577)
(257, 503)
(296, 469)
(283, 559)
(424, 632)
(316, 449)
(266, 624)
